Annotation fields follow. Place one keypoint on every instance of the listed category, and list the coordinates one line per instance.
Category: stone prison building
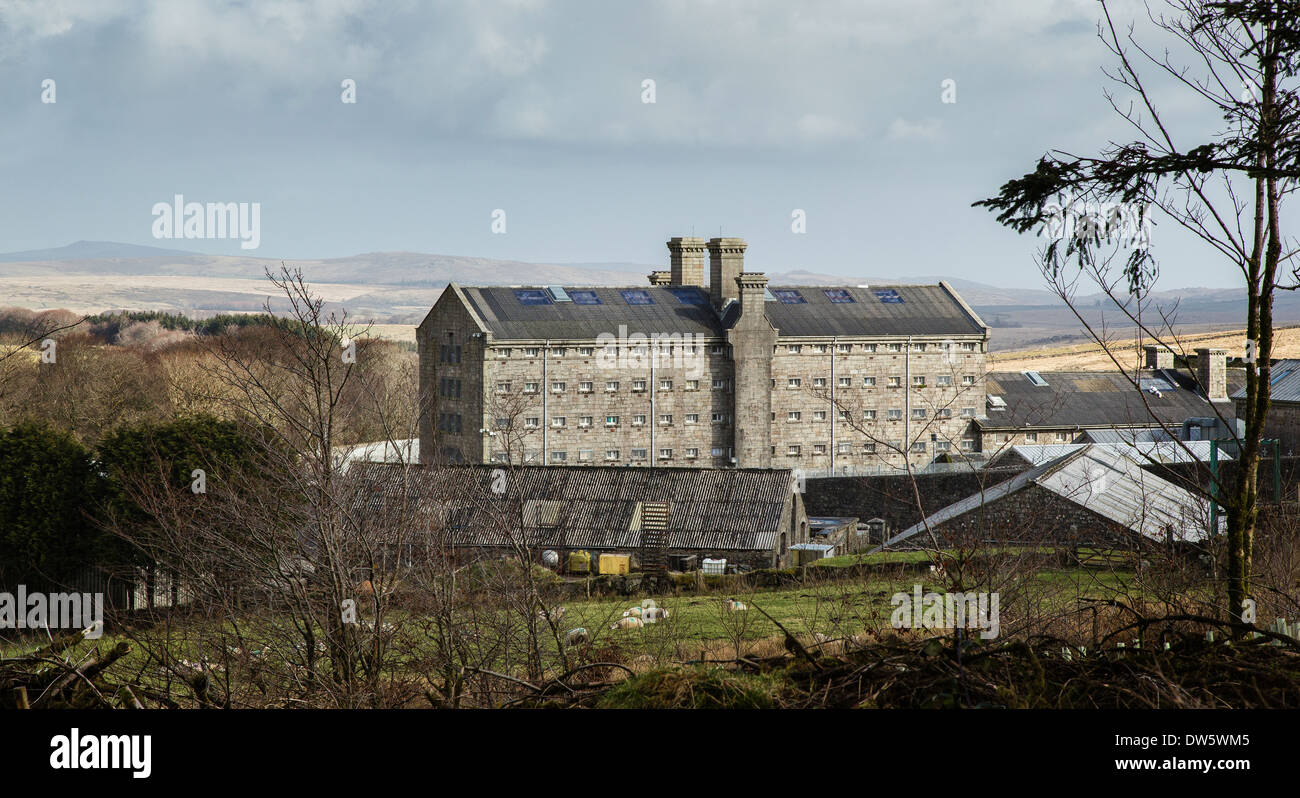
(701, 368)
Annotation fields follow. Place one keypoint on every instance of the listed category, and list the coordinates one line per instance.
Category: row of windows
(893, 414)
(870, 447)
(1032, 437)
(639, 385)
(503, 352)
(918, 381)
(897, 346)
(692, 453)
(589, 455)
(584, 422)
(612, 386)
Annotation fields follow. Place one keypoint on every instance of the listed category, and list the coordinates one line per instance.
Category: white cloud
(902, 130)
(822, 127)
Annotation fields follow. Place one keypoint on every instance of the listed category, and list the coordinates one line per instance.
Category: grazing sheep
(654, 615)
(635, 612)
(556, 614)
(627, 623)
(735, 606)
(576, 636)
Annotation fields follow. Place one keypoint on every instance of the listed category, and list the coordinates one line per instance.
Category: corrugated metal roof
(1103, 480)
(593, 506)
(919, 310)
(1145, 452)
(1285, 379)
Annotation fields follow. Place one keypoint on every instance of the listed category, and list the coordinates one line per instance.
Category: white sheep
(576, 636)
(654, 615)
(735, 606)
(635, 612)
(627, 623)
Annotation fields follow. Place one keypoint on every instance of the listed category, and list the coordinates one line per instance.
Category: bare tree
(1228, 192)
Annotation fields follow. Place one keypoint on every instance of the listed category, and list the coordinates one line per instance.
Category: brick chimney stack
(1158, 357)
(686, 261)
(752, 339)
(753, 289)
(661, 278)
(726, 262)
(1212, 373)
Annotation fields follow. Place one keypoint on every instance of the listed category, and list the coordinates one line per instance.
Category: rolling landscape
(394, 290)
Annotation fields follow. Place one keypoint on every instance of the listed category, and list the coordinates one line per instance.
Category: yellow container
(614, 563)
(579, 562)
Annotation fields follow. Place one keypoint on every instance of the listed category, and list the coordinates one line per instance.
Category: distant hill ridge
(421, 269)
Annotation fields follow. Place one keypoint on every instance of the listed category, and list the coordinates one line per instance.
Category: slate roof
(919, 310)
(876, 311)
(589, 506)
(1104, 481)
(502, 313)
(1095, 399)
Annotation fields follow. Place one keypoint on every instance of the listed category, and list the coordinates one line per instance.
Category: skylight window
(1035, 378)
(532, 296)
(997, 403)
(888, 296)
(838, 296)
(636, 296)
(1155, 384)
(558, 293)
(689, 296)
(585, 298)
(789, 296)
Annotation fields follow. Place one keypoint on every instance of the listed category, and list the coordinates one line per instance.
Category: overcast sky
(535, 108)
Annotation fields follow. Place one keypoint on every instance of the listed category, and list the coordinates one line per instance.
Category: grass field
(394, 332)
(1091, 357)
